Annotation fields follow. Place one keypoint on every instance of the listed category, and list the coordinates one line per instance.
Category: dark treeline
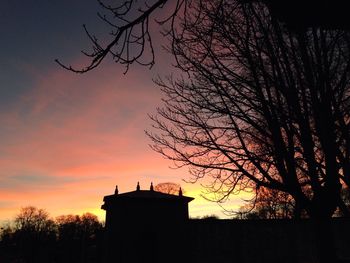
(35, 237)
(272, 204)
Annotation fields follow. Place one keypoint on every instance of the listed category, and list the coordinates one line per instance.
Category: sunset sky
(66, 140)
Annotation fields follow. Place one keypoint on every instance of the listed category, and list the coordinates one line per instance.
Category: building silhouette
(145, 225)
(149, 226)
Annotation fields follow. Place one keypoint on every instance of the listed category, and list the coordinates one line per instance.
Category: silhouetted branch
(132, 38)
(261, 105)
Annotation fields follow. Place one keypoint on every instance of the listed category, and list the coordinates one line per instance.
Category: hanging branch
(131, 40)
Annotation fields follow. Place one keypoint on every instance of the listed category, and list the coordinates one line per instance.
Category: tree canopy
(36, 237)
(169, 188)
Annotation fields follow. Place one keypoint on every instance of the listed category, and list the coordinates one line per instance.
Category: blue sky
(66, 139)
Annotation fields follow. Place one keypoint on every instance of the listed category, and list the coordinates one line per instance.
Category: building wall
(142, 230)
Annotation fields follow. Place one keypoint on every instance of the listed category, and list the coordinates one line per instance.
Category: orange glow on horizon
(71, 139)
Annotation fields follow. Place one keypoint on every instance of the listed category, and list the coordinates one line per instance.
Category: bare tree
(168, 188)
(34, 235)
(262, 53)
(282, 78)
(78, 227)
(34, 219)
(37, 238)
(260, 106)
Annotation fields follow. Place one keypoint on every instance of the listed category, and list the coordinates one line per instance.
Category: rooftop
(146, 194)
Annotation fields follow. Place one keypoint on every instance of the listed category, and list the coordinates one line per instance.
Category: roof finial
(180, 192)
(138, 186)
(151, 188)
(116, 190)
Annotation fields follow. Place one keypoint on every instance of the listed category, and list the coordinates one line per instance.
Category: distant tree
(76, 227)
(90, 224)
(35, 235)
(78, 237)
(7, 244)
(209, 217)
(33, 219)
(168, 188)
(5, 232)
(68, 228)
(37, 238)
(269, 204)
